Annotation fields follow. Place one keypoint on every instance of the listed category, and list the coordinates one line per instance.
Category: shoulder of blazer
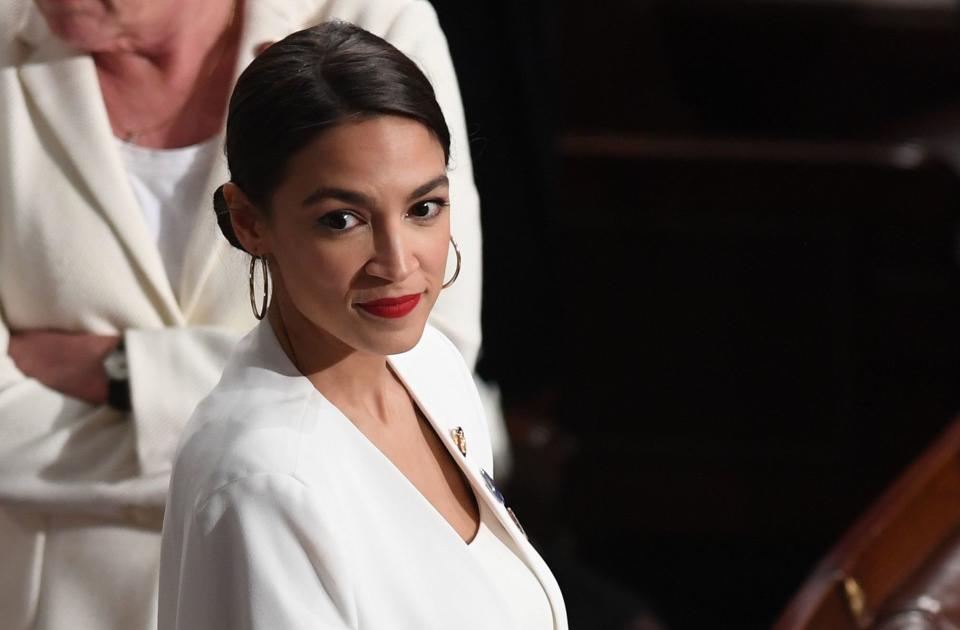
(252, 420)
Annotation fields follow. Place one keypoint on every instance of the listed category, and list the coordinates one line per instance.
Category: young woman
(340, 474)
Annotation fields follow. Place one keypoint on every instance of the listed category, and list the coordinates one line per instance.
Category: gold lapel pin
(460, 440)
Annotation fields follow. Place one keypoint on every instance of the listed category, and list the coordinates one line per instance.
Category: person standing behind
(111, 118)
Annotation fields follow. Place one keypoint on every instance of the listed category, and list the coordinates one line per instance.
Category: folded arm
(63, 450)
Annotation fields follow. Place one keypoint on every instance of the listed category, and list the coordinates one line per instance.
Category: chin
(398, 341)
(82, 31)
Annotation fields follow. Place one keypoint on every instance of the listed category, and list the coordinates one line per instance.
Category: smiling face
(358, 233)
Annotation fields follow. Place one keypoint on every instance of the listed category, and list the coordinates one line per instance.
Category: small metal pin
(492, 487)
(460, 439)
(516, 521)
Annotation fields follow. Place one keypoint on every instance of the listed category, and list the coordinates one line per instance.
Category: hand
(70, 363)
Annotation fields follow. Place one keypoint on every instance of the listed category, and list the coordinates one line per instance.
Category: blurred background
(722, 293)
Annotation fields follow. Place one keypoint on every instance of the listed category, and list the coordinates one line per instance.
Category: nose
(393, 256)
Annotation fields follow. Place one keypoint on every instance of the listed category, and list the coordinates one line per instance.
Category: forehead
(378, 156)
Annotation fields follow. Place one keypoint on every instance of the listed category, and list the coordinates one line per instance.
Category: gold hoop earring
(261, 312)
(456, 274)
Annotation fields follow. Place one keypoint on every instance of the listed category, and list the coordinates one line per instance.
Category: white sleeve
(417, 33)
(61, 454)
(171, 371)
(257, 555)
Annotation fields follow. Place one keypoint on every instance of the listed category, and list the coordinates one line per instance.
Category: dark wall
(506, 71)
(715, 271)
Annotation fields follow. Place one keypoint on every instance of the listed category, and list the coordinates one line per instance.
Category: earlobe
(246, 218)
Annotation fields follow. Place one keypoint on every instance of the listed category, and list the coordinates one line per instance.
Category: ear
(249, 223)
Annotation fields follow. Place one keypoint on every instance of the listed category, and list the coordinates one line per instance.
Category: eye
(339, 221)
(428, 209)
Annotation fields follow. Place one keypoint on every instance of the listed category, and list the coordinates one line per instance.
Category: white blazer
(283, 516)
(82, 488)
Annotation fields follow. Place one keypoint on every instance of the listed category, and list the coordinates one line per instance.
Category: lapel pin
(460, 440)
(516, 521)
(492, 487)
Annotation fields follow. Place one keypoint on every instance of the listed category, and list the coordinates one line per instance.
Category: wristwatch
(118, 378)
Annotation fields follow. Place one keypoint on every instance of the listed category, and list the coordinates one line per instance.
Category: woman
(339, 475)
(111, 117)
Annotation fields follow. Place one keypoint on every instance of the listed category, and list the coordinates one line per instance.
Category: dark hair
(305, 84)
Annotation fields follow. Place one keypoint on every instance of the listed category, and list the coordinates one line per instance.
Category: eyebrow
(423, 189)
(358, 198)
(341, 194)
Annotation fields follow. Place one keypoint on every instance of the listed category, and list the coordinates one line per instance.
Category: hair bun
(222, 210)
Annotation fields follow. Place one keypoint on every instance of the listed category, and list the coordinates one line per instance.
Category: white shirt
(170, 185)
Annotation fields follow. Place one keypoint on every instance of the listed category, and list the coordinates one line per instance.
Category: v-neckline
(458, 458)
(475, 485)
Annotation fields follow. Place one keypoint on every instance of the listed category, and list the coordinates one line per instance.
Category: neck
(358, 383)
(167, 84)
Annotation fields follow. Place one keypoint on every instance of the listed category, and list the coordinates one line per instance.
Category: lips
(391, 308)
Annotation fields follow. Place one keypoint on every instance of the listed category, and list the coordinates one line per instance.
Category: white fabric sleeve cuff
(171, 370)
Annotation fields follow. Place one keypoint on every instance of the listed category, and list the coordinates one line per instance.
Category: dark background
(721, 281)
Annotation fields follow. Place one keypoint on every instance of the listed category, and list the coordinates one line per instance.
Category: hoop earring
(262, 311)
(456, 274)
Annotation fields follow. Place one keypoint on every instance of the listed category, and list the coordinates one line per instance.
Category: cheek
(436, 251)
(441, 255)
(316, 272)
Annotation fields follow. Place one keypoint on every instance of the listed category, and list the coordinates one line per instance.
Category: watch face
(115, 365)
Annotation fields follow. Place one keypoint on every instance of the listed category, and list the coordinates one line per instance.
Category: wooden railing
(899, 533)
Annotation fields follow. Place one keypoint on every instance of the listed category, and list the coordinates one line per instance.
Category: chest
(415, 450)
(410, 565)
(157, 109)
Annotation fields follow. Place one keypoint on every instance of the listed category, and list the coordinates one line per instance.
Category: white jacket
(284, 516)
(82, 488)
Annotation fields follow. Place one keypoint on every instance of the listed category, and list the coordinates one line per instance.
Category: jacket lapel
(445, 408)
(63, 87)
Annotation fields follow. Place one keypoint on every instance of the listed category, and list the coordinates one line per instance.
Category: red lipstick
(391, 308)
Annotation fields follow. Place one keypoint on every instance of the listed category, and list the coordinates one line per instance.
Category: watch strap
(118, 384)
(118, 394)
